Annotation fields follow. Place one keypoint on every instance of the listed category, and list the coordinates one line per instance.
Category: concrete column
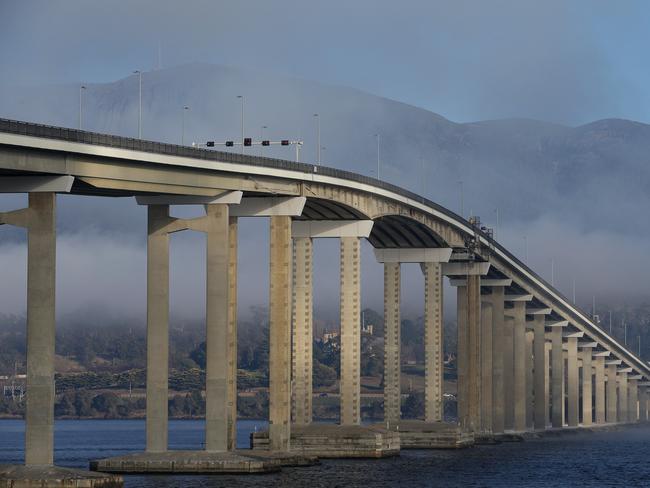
(498, 394)
(462, 355)
(392, 366)
(218, 402)
(529, 381)
(486, 367)
(599, 383)
(350, 389)
(622, 397)
(587, 381)
(572, 382)
(633, 400)
(474, 358)
(433, 343)
(303, 334)
(157, 328)
(280, 334)
(557, 379)
(547, 380)
(232, 332)
(643, 403)
(519, 365)
(508, 372)
(540, 372)
(41, 266)
(612, 414)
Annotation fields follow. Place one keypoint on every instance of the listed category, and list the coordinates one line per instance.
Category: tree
(323, 375)
(413, 406)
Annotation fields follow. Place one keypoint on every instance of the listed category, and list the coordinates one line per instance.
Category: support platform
(20, 476)
(201, 462)
(337, 441)
(417, 434)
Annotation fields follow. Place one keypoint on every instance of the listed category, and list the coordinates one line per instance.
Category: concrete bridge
(528, 359)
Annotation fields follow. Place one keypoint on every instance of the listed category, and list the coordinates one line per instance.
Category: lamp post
(318, 148)
(81, 89)
(242, 122)
(377, 136)
(185, 109)
(139, 73)
(262, 136)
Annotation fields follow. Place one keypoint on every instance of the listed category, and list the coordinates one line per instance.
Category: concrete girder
(331, 228)
(519, 298)
(539, 311)
(597, 354)
(613, 362)
(414, 255)
(35, 184)
(269, 206)
(625, 370)
(465, 268)
(227, 197)
(573, 334)
(484, 282)
(587, 345)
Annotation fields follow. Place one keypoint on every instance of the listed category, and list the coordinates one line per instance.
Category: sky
(567, 61)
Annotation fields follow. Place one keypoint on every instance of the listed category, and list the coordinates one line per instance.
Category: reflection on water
(587, 459)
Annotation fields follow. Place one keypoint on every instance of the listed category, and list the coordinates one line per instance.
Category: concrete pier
(232, 331)
(157, 328)
(557, 378)
(350, 300)
(280, 334)
(643, 403)
(462, 357)
(586, 352)
(508, 371)
(612, 394)
(217, 368)
(433, 343)
(474, 344)
(572, 382)
(486, 367)
(633, 400)
(599, 388)
(530, 401)
(623, 410)
(498, 394)
(540, 373)
(392, 366)
(518, 314)
(302, 330)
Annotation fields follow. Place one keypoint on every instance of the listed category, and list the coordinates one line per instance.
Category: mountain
(578, 195)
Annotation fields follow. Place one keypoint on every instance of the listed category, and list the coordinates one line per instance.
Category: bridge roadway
(522, 346)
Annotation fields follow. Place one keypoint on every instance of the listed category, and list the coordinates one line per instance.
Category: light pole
(242, 122)
(377, 136)
(262, 137)
(553, 272)
(496, 230)
(81, 89)
(526, 249)
(317, 138)
(185, 109)
(139, 73)
(462, 203)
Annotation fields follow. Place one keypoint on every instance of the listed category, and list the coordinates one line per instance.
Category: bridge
(529, 360)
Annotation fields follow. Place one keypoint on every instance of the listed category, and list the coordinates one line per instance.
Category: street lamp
(81, 89)
(185, 109)
(242, 122)
(262, 137)
(139, 73)
(317, 138)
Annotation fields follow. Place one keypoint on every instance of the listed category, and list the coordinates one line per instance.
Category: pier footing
(201, 462)
(20, 476)
(337, 441)
(417, 434)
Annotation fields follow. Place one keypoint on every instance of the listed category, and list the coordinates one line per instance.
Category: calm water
(591, 460)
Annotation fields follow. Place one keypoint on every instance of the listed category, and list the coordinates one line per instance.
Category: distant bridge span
(521, 342)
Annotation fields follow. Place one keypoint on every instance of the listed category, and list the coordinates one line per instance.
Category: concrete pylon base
(417, 434)
(199, 462)
(20, 476)
(337, 441)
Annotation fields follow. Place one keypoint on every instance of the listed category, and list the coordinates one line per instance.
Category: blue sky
(559, 60)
